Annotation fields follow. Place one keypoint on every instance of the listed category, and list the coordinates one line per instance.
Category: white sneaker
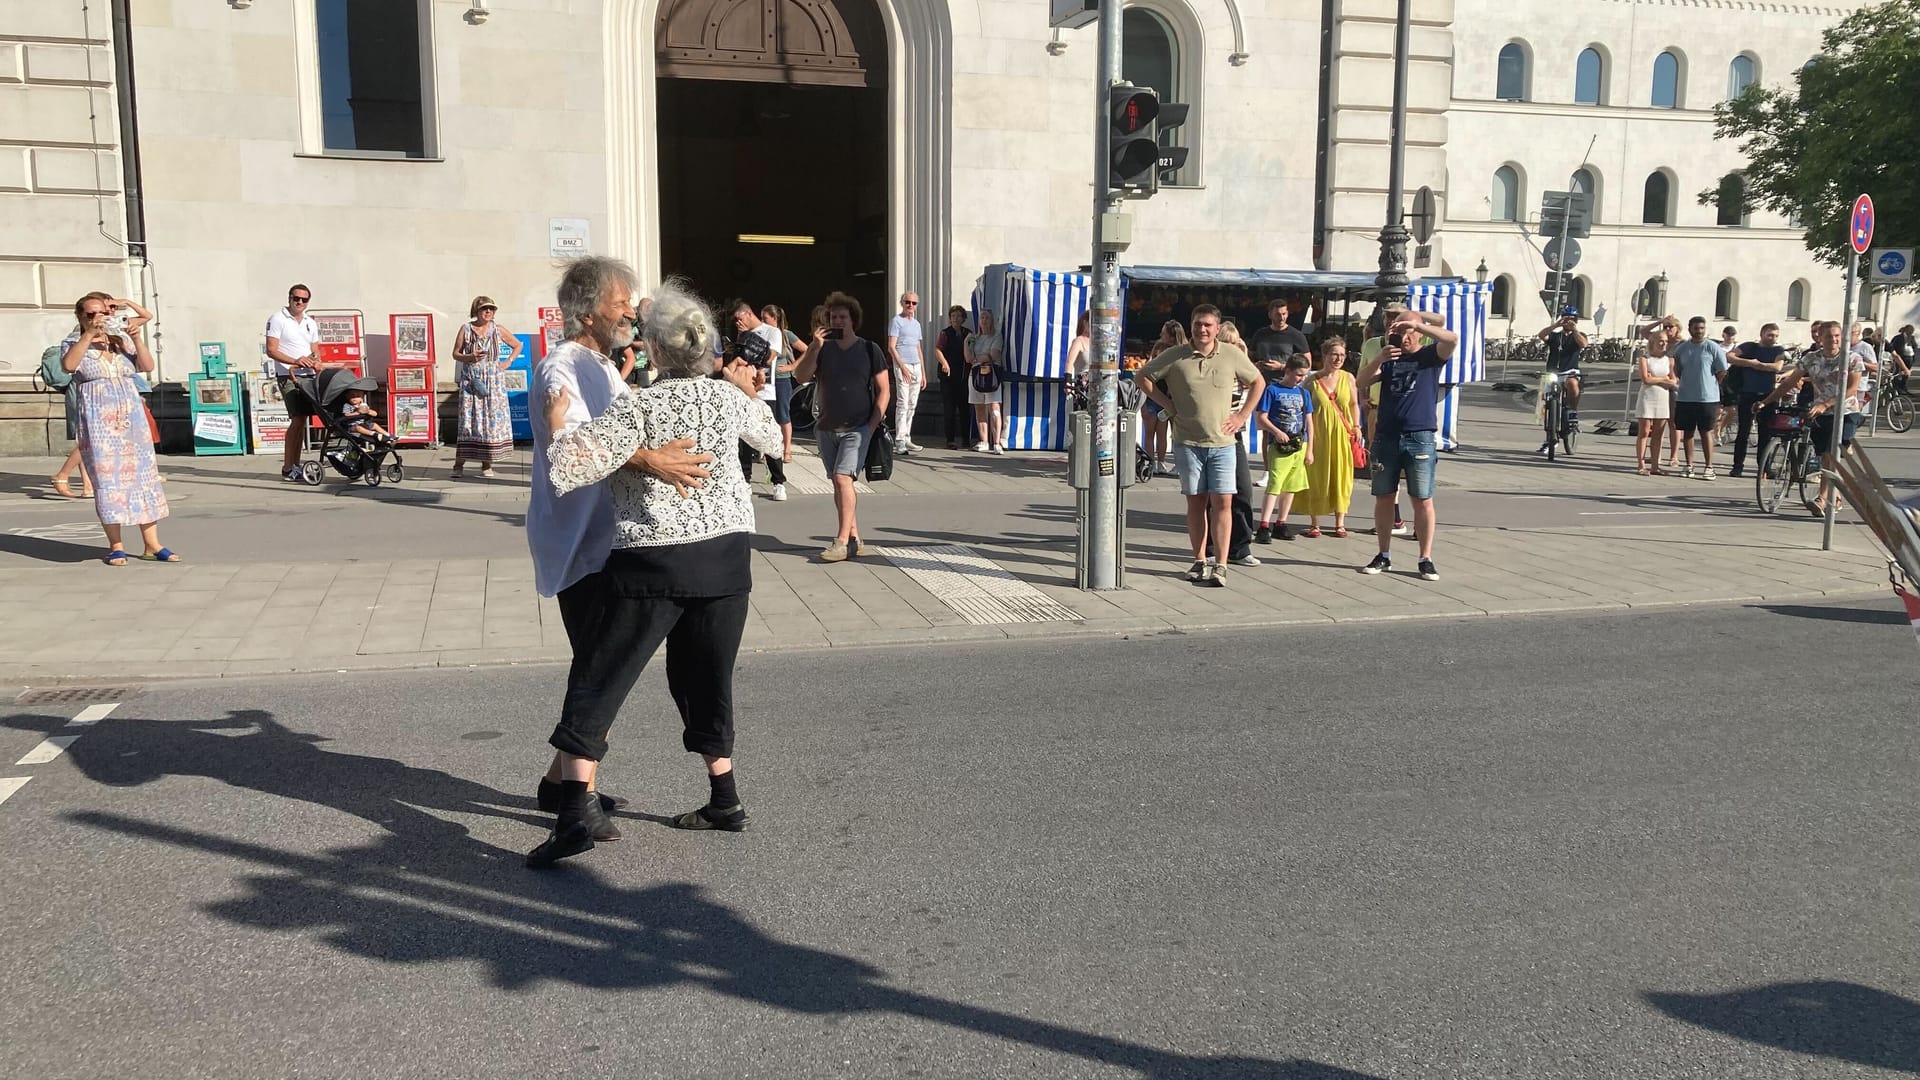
(1246, 560)
(1165, 468)
(1403, 531)
(1707, 474)
(779, 493)
(913, 447)
(999, 449)
(979, 448)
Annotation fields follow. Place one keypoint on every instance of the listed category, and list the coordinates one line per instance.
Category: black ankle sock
(724, 793)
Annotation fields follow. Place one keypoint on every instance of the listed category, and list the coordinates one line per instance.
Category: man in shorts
(1834, 374)
(1405, 431)
(1194, 386)
(851, 391)
(1698, 364)
(291, 333)
(1565, 343)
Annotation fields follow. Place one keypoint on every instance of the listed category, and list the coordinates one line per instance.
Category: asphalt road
(1673, 845)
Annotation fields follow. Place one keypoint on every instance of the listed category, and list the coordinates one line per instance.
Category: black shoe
(549, 799)
(1283, 531)
(728, 819)
(581, 823)
(561, 845)
(1427, 571)
(1544, 447)
(1263, 535)
(1379, 564)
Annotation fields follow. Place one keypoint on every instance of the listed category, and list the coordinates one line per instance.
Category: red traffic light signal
(1134, 108)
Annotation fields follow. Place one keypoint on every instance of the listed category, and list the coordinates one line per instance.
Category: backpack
(52, 375)
(880, 454)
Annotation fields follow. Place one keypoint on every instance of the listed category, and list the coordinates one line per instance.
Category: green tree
(1848, 124)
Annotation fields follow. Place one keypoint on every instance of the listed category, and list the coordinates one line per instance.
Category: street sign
(1547, 297)
(1557, 282)
(1891, 266)
(1423, 216)
(1073, 14)
(1422, 256)
(1566, 213)
(1860, 230)
(1562, 253)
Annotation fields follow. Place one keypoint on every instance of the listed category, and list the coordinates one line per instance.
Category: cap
(1570, 310)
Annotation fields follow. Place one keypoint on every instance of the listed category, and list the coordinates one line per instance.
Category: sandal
(61, 485)
(1645, 471)
(115, 557)
(163, 555)
(1312, 533)
(1339, 532)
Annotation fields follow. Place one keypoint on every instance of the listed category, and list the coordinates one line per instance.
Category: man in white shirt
(291, 333)
(759, 344)
(909, 374)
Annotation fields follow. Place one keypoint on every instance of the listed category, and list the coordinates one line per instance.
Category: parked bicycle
(1790, 460)
(1897, 399)
(1553, 413)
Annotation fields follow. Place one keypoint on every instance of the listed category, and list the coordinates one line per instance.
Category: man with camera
(1565, 343)
(851, 389)
(1404, 430)
(758, 344)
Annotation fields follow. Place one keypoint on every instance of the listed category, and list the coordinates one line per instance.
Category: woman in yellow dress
(1336, 412)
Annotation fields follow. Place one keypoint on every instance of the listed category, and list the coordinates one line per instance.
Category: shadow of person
(249, 749)
(440, 905)
(1841, 1020)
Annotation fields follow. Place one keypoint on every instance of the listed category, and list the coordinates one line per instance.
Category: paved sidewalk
(1676, 542)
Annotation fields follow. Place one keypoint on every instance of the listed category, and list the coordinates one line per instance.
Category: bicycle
(1553, 412)
(1898, 396)
(1791, 458)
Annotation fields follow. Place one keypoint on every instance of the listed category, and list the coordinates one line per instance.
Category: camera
(834, 333)
(115, 323)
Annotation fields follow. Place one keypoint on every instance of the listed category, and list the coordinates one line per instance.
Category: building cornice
(1636, 232)
(1750, 5)
(1567, 108)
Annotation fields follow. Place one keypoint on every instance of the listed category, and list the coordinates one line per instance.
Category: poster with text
(412, 336)
(269, 413)
(412, 416)
(552, 329)
(340, 337)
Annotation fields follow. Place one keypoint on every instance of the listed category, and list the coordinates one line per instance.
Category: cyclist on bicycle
(1565, 343)
(1834, 375)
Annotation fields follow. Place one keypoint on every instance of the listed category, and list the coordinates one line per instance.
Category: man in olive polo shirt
(1194, 384)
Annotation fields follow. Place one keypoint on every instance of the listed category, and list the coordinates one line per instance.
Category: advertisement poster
(412, 336)
(222, 428)
(410, 378)
(269, 420)
(412, 415)
(518, 374)
(552, 329)
(340, 337)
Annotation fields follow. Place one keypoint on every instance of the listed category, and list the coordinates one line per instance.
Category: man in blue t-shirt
(1760, 365)
(1403, 434)
(1696, 406)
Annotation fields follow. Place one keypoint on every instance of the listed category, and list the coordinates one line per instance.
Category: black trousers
(776, 468)
(1240, 537)
(613, 638)
(953, 406)
(1749, 413)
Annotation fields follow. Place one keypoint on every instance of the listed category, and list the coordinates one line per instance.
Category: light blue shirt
(906, 335)
(1696, 364)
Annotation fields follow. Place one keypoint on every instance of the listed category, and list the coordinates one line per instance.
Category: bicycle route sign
(1860, 227)
(1891, 266)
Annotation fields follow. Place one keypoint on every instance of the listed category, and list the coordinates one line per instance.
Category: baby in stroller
(352, 443)
(359, 418)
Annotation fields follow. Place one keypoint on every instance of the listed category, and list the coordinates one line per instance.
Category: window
(1726, 299)
(1729, 200)
(1657, 209)
(1587, 184)
(1590, 79)
(1666, 80)
(1506, 194)
(1577, 295)
(1501, 304)
(1797, 301)
(1742, 73)
(373, 77)
(1511, 85)
(1150, 56)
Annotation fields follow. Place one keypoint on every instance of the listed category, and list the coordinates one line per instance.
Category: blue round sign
(1892, 264)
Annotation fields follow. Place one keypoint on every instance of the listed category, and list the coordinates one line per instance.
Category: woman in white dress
(986, 362)
(1657, 384)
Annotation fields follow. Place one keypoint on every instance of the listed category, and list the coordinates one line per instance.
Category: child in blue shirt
(1285, 417)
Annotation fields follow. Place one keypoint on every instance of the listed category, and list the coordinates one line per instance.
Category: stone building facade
(405, 155)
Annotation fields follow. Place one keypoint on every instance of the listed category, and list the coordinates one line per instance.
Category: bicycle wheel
(1774, 477)
(1806, 470)
(1899, 412)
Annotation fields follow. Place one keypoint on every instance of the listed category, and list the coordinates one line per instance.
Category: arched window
(1729, 200)
(1657, 208)
(1743, 72)
(1150, 55)
(1586, 183)
(1797, 302)
(1576, 298)
(1726, 299)
(1501, 304)
(1666, 80)
(1511, 82)
(1506, 194)
(1590, 78)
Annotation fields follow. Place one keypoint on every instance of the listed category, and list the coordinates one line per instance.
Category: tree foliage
(1848, 124)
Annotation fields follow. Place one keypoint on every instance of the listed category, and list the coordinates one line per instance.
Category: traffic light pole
(1100, 528)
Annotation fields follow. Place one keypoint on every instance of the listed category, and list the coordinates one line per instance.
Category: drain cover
(75, 695)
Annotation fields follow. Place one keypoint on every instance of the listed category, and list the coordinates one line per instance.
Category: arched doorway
(772, 150)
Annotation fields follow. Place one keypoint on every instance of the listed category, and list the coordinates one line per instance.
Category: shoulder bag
(1353, 437)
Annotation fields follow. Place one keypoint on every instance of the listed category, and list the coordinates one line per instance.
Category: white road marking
(978, 589)
(1623, 513)
(93, 714)
(69, 530)
(51, 747)
(11, 784)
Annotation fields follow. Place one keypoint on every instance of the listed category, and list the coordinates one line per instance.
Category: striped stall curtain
(1038, 310)
(1464, 304)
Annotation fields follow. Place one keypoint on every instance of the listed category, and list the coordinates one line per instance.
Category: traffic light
(1172, 115)
(1133, 162)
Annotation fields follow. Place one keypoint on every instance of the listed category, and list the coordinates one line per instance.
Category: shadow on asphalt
(1824, 613)
(427, 892)
(53, 551)
(1841, 1020)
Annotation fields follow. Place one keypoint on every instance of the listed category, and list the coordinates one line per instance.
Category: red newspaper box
(411, 412)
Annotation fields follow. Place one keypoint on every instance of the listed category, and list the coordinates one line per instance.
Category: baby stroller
(354, 456)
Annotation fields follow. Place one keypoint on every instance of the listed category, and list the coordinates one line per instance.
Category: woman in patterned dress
(113, 433)
(486, 423)
(1336, 412)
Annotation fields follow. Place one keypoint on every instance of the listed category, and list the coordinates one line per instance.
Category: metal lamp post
(1390, 284)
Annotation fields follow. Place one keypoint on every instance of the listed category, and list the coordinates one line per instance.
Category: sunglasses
(298, 299)
(909, 303)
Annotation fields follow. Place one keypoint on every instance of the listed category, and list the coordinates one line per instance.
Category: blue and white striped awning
(1464, 305)
(1037, 314)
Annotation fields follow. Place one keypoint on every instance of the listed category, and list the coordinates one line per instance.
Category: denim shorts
(1409, 452)
(1205, 470)
(782, 400)
(844, 453)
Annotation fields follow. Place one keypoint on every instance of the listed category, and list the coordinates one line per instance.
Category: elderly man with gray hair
(571, 533)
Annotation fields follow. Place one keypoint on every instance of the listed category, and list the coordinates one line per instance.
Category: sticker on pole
(1860, 232)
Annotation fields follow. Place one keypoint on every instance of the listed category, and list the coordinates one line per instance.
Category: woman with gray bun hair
(680, 568)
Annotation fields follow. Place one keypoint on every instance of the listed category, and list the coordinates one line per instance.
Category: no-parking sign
(1860, 227)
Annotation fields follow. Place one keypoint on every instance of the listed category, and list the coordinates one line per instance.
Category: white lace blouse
(649, 512)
